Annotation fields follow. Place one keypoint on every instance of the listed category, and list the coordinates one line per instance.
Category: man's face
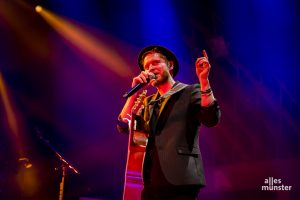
(158, 65)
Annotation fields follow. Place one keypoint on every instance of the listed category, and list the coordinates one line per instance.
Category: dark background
(73, 97)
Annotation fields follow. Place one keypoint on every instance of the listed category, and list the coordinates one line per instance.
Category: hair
(155, 50)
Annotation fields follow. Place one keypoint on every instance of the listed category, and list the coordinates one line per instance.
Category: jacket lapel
(164, 100)
(151, 105)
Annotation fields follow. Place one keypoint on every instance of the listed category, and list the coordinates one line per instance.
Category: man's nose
(151, 67)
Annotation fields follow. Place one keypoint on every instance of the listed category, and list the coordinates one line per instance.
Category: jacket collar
(178, 86)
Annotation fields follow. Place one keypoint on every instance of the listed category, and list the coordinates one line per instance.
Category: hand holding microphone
(138, 82)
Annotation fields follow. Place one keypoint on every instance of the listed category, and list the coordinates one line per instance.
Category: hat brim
(160, 49)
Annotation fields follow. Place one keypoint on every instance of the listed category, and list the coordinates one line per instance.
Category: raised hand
(202, 66)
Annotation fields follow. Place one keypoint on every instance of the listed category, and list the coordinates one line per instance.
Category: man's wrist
(204, 84)
(207, 92)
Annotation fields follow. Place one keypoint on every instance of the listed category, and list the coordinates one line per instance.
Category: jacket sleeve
(122, 127)
(208, 116)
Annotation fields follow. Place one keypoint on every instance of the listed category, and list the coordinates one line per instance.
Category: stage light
(25, 162)
(38, 8)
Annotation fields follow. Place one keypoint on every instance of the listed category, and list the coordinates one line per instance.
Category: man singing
(172, 117)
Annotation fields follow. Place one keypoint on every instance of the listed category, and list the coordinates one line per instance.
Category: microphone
(138, 86)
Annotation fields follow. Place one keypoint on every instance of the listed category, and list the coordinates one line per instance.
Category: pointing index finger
(204, 53)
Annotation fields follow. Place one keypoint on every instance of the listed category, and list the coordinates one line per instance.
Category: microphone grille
(151, 76)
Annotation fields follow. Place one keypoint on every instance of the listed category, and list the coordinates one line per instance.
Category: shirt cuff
(121, 123)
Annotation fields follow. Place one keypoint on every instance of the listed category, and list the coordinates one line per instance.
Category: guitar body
(133, 176)
(137, 142)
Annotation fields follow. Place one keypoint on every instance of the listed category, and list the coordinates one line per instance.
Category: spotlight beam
(87, 43)
(8, 107)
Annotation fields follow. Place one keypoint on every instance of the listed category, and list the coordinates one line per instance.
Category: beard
(161, 80)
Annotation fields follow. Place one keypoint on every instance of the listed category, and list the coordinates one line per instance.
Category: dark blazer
(177, 133)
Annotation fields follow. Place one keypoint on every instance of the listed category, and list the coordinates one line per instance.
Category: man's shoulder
(188, 84)
(191, 86)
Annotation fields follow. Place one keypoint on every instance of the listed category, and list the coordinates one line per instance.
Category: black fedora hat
(159, 49)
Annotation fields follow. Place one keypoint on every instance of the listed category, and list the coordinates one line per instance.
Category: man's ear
(171, 65)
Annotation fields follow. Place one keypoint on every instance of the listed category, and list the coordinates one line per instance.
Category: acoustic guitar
(136, 151)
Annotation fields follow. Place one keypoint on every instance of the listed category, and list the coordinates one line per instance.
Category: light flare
(8, 108)
(87, 43)
(38, 8)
